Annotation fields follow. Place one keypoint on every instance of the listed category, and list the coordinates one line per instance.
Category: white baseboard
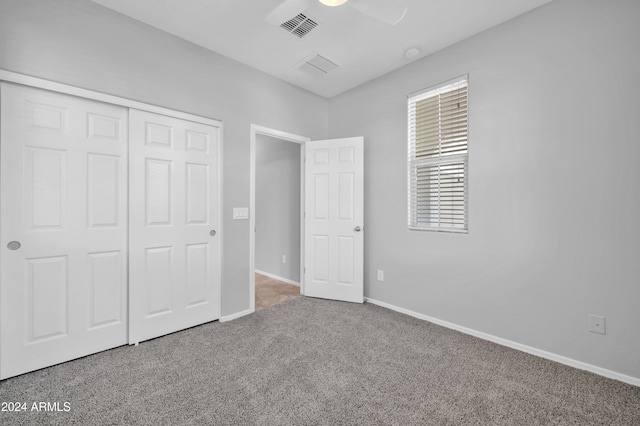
(284, 280)
(237, 315)
(514, 345)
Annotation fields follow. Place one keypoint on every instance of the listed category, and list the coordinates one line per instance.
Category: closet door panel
(63, 230)
(174, 202)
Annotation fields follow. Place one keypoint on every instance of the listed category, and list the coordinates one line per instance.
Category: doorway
(276, 194)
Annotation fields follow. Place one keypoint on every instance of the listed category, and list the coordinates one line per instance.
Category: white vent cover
(299, 25)
(317, 65)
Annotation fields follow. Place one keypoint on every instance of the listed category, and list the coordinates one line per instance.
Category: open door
(334, 228)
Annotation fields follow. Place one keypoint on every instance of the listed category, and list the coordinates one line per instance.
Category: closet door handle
(14, 245)
(357, 229)
(212, 232)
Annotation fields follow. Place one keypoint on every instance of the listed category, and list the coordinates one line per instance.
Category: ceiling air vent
(299, 25)
(317, 65)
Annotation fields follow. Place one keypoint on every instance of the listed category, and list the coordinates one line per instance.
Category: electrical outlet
(597, 324)
(380, 275)
(284, 258)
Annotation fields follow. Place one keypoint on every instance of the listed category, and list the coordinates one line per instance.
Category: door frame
(256, 130)
(39, 83)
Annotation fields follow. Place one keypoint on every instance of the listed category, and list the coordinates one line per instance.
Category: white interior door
(174, 225)
(334, 229)
(63, 228)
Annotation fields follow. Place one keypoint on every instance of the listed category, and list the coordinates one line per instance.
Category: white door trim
(40, 83)
(256, 130)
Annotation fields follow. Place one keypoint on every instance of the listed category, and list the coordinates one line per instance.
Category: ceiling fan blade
(388, 11)
(287, 10)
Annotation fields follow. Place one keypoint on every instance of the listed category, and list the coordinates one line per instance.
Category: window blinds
(438, 127)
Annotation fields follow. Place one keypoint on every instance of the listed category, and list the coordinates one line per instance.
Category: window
(438, 129)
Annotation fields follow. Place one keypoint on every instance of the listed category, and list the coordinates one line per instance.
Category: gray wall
(83, 44)
(277, 210)
(553, 192)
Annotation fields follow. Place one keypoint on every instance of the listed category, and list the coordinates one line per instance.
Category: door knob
(212, 232)
(357, 229)
(14, 245)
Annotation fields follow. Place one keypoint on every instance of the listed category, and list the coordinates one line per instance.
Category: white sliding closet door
(174, 216)
(63, 228)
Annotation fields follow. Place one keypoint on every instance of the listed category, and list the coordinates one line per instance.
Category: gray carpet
(310, 361)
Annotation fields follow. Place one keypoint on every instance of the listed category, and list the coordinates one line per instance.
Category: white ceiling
(362, 47)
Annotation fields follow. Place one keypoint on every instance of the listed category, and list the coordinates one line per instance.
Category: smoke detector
(412, 53)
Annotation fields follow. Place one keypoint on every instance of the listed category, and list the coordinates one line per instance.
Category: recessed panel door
(63, 231)
(174, 225)
(334, 232)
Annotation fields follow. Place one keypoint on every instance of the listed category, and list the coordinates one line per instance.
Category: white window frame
(413, 164)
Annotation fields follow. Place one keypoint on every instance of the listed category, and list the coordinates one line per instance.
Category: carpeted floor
(310, 361)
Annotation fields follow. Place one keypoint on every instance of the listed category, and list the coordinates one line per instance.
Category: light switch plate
(240, 213)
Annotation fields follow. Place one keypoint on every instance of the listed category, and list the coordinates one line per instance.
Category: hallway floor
(270, 292)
